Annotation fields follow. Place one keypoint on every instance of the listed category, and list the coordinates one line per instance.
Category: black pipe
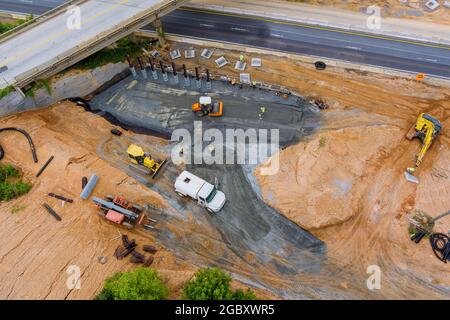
(84, 182)
(30, 141)
(152, 66)
(197, 76)
(174, 69)
(140, 63)
(44, 166)
(129, 61)
(208, 76)
(440, 243)
(51, 211)
(60, 197)
(185, 71)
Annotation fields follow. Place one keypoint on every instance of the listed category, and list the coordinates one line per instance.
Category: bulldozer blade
(411, 178)
(138, 168)
(159, 169)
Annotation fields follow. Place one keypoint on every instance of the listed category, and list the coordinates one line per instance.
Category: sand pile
(321, 180)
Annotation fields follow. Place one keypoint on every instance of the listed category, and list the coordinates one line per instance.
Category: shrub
(214, 284)
(11, 190)
(139, 284)
(240, 294)
(123, 48)
(5, 91)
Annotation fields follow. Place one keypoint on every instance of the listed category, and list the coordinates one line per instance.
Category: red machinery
(120, 211)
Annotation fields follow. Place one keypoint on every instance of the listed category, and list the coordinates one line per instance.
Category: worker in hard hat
(241, 58)
(262, 111)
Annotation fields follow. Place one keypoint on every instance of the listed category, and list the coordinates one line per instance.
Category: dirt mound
(320, 181)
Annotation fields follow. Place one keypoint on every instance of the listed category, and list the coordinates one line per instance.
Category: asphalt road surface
(290, 37)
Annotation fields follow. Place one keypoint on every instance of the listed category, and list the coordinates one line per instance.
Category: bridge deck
(39, 46)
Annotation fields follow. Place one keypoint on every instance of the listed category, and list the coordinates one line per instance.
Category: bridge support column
(187, 81)
(159, 29)
(208, 80)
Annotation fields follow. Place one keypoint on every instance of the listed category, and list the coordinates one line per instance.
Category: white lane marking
(354, 48)
(276, 35)
(206, 25)
(364, 44)
(238, 29)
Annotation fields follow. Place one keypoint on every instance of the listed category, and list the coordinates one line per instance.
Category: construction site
(362, 175)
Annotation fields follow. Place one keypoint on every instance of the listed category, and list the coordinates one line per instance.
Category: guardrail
(38, 20)
(101, 41)
(302, 57)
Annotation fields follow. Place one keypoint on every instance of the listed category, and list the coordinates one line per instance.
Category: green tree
(240, 294)
(11, 189)
(214, 284)
(139, 284)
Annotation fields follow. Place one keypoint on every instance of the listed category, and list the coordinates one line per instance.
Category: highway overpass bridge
(52, 42)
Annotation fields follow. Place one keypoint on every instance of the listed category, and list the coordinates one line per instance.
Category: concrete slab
(175, 54)
(245, 78)
(189, 54)
(221, 62)
(207, 53)
(240, 65)
(256, 62)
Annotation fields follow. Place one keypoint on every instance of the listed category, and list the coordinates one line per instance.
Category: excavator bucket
(411, 178)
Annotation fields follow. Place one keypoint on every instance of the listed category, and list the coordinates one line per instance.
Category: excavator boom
(426, 129)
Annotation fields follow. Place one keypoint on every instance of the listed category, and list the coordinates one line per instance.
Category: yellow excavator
(427, 128)
(140, 158)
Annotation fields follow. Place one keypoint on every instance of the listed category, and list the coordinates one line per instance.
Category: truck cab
(206, 194)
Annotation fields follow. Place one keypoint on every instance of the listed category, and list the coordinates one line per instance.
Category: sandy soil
(36, 250)
(412, 9)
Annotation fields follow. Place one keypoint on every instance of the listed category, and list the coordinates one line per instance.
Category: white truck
(198, 189)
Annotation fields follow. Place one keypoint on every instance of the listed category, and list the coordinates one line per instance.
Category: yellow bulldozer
(140, 159)
(206, 107)
(426, 128)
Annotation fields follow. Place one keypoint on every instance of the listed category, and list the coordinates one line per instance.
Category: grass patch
(5, 91)
(11, 184)
(6, 26)
(123, 48)
(39, 84)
